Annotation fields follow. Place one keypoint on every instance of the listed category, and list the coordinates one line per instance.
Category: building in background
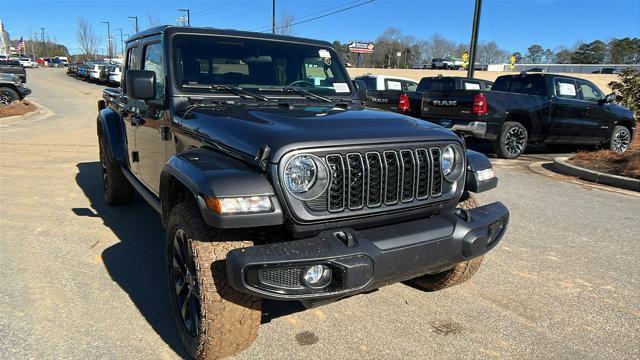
(4, 41)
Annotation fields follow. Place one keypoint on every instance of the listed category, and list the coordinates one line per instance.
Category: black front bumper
(358, 261)
(23, 92)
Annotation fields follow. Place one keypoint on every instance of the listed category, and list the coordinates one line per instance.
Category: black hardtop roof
(170, 29)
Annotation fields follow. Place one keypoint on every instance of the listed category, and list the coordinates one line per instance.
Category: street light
(136, 19)
(44, 45)
(188, 16)
(121, 42)
(109, 48)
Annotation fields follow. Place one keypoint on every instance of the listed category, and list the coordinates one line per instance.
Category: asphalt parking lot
(81, 279)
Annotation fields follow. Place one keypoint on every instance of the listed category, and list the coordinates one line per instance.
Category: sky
(513, 24)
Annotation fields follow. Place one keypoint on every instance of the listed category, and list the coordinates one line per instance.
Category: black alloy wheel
(185, 281)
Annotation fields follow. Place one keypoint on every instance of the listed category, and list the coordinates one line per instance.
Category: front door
(150, 143)
(128, 110)
(596, 111)
(566, 115)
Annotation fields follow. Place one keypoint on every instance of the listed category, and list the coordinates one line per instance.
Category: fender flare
(476, 163)
(205, 173)
(111, 128)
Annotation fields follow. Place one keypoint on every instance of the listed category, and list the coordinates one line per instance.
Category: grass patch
(606, 161)
(17, 108)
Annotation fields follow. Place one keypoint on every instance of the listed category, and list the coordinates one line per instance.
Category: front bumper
(23, 92)
(359, 261)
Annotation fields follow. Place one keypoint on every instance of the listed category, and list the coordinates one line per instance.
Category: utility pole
(109, 46)
(44, 45)
(121, 43)
(474, 38)
(136, 19)
(273, 17)
(188, 16)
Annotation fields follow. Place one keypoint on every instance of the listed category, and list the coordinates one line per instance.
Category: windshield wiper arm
(236, 90)
(307, 94)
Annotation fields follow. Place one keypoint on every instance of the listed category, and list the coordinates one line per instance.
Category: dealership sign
(361, 47)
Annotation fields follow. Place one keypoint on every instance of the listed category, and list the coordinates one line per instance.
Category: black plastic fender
(477, 162)
(207, 173)
(111, 128)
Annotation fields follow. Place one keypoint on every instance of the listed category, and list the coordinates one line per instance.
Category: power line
(315, 17)
(215, 7)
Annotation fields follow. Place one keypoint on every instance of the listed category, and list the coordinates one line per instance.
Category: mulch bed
(606, 161)
(17, 108)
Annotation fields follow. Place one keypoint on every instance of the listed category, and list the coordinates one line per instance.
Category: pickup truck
(533, 108)
(13, 67)
(383, 91)
(274, 182)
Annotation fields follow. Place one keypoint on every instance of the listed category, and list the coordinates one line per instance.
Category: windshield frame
(178, 90)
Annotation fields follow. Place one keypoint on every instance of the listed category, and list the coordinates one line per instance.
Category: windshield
(204, 61)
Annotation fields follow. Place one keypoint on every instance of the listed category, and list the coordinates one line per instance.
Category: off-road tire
(229, 320)
(8, 95)
(500, 144)
(117, 189)
(458, 274)
(620, 139)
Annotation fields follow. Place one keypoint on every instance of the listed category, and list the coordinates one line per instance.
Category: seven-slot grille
(386, 177)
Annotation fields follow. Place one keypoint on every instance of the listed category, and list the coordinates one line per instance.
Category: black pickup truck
(13, 67)
(273, 181)
(533, 108)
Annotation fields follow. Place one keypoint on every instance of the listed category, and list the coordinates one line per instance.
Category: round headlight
(300, 174)
(305, 177)
(452, 163)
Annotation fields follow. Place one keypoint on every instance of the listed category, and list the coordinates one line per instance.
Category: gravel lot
(84, 280)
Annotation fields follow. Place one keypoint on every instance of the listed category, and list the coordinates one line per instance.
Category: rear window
(436, 84)
(531, 85)
(369, 82)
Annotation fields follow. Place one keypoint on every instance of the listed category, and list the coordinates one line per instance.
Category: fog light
(317, 276)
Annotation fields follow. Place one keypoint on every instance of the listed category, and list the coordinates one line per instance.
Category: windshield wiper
(305, 93)
(236, 90)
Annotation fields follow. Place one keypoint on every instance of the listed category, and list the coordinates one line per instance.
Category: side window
(131, 58)
(589, 91)
(566, 89)
(409, 86)
(471, 85)
(393, 85)
(153, 62)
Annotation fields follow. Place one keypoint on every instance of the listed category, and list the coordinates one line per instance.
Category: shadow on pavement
(137, 262)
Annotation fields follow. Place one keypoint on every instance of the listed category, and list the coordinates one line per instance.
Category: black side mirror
(361, 89)
(608, 99)
(141, 84)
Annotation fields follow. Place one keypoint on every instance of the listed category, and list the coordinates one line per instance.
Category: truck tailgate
(448, 104)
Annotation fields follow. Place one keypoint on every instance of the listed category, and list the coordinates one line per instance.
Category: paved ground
(84, 280)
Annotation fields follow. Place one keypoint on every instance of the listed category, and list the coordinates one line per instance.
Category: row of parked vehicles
(104, 72)
(511, 113)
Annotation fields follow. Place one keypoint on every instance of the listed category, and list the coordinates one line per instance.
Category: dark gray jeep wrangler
(273, 181)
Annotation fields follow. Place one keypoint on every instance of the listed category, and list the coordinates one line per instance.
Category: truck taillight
(403, 103)
(479, 104)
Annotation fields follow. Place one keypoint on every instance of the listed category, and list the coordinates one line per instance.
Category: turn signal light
(480, 104)
(403, 103)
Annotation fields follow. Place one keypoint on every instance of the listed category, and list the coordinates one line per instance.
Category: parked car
(383, 91)
(26, 62)
(533, 108)
(11, 89)
(115, 75)
(104, 73)
(273, 181)
(13, 67)
(94, 71)
(446, 64)
(606, 70)
(62, 61)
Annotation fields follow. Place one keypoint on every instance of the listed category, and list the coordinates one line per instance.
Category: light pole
(121, 42)
(44, 45)
(188, 16)
(109, 47)
(136, 19)
(273, 17)
(474, 38)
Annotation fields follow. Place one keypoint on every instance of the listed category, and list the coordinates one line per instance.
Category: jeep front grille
(386, 177)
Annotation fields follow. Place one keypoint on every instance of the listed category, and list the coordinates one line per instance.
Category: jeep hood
(247, 129)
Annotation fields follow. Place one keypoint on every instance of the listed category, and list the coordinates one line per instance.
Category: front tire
(512, 140)
(620, 139)
(214, 320)
(7, 96)
(458, 274)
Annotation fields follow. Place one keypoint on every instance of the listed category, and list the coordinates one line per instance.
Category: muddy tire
(117, 189)
(512, 140)
(213, 319)
(458, 274)
(7, 96)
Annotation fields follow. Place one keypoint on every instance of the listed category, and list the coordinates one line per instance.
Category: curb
(40, 113)
(561, 165)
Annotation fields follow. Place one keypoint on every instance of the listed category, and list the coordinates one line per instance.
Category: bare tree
(152, 20)
(285, 25)
(87, 39)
